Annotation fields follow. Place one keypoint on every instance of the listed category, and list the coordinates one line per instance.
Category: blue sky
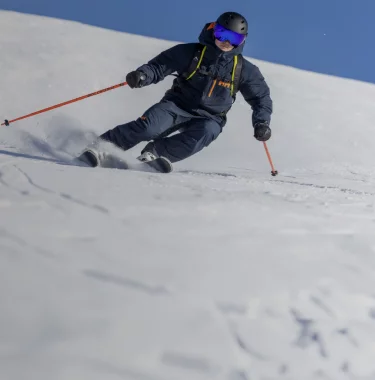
(327, 36)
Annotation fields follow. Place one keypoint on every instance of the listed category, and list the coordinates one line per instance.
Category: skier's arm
(166, 63)
(256, 92)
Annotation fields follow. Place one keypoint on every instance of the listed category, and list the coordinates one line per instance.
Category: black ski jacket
(201, 95)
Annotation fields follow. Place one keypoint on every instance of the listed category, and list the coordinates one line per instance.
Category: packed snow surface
(215, 271)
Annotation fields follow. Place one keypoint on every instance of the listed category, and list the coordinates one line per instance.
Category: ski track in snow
(215, 271)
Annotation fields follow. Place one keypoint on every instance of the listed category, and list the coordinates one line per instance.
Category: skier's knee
(142, 129)
(211, 131)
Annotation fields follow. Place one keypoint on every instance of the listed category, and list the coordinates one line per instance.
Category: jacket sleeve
(256, 92)
(169, 61)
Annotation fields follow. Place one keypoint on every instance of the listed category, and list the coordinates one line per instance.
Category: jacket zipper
(212, 88)
(215, 81)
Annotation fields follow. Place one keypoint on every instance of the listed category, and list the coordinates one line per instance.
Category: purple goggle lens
(223, 35)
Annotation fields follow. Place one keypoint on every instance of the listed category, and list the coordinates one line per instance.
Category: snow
(215, 271)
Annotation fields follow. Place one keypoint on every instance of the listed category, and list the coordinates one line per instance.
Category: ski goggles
(222, 34)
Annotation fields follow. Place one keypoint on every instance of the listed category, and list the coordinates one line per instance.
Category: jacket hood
(207, 38)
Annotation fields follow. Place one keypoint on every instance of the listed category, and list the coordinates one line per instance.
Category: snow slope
(216, 271)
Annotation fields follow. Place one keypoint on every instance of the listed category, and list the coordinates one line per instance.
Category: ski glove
(262, 132)
(135, 79)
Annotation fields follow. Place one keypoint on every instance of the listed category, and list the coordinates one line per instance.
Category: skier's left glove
(135, 79)
(262, 131)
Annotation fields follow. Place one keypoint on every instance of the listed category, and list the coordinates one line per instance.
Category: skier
(209, 75)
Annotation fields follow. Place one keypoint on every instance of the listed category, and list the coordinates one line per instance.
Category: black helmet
(234, 22)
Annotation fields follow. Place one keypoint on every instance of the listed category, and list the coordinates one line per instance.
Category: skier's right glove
(262, 132)
(135, 79)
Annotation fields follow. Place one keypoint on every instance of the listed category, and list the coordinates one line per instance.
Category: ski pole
(7, 122)
(273, 171)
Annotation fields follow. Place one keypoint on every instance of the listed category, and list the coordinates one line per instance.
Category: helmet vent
(233, 21)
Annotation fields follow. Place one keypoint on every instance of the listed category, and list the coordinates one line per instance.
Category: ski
(111, 161)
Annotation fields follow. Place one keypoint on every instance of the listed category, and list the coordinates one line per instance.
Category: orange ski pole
(7, 122)
(273, 171)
